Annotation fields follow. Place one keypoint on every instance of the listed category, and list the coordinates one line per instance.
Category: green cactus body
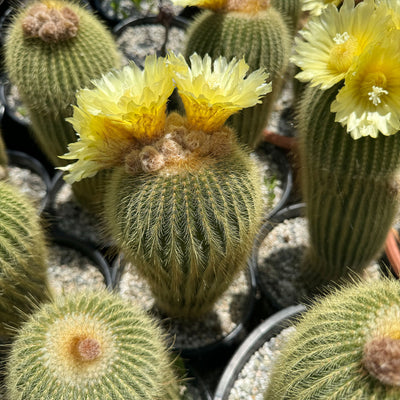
(350, 187)
(346, 346)
(49, 70)
(188, 231)
(23, 268)
(89, 346)
(263, 39)
(291, 10)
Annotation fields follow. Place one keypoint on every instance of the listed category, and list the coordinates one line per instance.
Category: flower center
(343, 52)
(374, 86)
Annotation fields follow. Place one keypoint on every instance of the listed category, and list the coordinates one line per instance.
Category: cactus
(184, 199)
(346, 346)
(348, 138)
(291, 10)
(350, 188)
(188, 233)
(23, 268)
(262, 38)
(87, 346)
(52, 50)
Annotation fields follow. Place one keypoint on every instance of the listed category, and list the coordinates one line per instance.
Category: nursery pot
(259, 336)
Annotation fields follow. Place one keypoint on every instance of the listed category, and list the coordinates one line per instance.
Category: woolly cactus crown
(358, 46)
(121, 119)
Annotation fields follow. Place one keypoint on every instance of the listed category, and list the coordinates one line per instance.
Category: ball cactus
(90, 345)
(184, 199)
(346, 346)
(3, 159)
(349, 140)
(53, 48)
(252, 29)
(23, 268)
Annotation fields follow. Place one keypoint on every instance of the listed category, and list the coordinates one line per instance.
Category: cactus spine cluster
(351, 189)
(23, 268)
(291, 10)
(347, 346)
(52, 50)
(262, 38)
(87, 346)
(188, 231)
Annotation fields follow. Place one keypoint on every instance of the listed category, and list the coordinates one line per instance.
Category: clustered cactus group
(180, 194)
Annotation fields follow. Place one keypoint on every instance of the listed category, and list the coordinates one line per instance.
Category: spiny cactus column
(262, 38)
(23, 268)
(184, 200)
(52, 50)
(188, 233)
(88, 346)
(291, 10)
(347, 346)
(351, 188)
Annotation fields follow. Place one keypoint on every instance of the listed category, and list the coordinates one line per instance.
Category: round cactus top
(51, 22)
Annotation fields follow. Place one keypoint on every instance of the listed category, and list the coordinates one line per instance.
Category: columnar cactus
(184, 201)
(54, 48)
(291, 10)
(346, 346)
(349, 141)
(252, 29)
(89, 346)
(23, 267)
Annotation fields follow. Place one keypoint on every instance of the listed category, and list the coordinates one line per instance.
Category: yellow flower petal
(369, 102)
(124, 107)
(315, 7)
(330, 43)
(393, 8)
(212, 91)
(210, 4)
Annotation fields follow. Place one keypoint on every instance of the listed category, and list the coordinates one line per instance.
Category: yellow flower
(329, 43)
(212, 91)
(393, 8)
(210, 4)
(123, 108)
(316, 6)
(369, 101)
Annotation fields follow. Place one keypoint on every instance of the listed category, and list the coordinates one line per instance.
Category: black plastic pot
(263, 333)
(26, 161)
(291, 211)
(65, 240)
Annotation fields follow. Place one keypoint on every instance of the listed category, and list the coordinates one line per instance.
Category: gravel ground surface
(252, 381)
(29, 183)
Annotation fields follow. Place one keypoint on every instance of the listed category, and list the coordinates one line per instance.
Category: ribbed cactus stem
(346, 346)
(187, 227)
(23, 267)
(291, 10)
(263, 39)
(90, 345)
(351, 189)
(54, 48)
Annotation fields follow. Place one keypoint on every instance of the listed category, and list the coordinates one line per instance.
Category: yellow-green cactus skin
(346, 346)
(23, 255)
(90, 346)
